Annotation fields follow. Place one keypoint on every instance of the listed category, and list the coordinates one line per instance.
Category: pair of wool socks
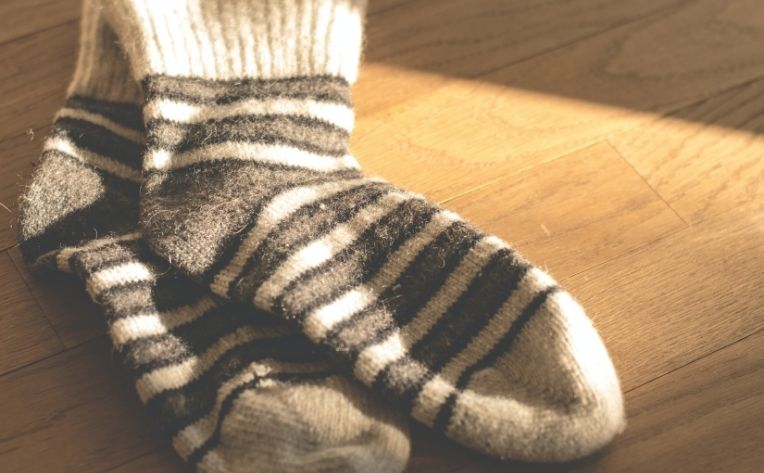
(234, 389)
(248, 188)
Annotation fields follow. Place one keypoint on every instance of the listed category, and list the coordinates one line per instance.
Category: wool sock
(250, 188)
(235, 391)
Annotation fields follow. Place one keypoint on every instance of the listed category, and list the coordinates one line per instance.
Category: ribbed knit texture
(235, 390)
(233, 39)
(250, 189)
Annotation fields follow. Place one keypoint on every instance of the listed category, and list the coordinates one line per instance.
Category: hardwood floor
(620, 145)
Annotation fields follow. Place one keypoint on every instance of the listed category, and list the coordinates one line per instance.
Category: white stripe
(161, 159)
(368, 364)
(180, 374)
(98, 161)
(323, 318)
(157, 323)
(337, 114)
(101, 120)
(375, 358)
(136, 326)
(117, 275)
(64, 254)
(279, 208)
(325, 248)
(435, 392)
(195, 435)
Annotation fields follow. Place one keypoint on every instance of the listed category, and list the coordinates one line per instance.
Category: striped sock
(251, 189)
(234, 390)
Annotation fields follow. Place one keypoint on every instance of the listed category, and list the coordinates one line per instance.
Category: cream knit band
(231, 39)
(102, 70)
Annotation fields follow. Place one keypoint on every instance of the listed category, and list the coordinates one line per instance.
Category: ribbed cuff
(102, 70)
(232, 39)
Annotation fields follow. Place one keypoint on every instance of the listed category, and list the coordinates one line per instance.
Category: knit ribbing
(102, 72)
(218, 39)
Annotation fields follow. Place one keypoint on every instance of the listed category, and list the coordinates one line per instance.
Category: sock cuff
(234, 39)
(102, 71)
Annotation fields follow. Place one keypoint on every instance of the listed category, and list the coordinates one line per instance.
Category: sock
(250, 188)
(233, 390)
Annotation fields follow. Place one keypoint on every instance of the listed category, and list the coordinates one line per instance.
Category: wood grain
(678, 299)
(696, 162)
(708, 416)
(163, 460)
(64, 302)
(21, 17)
(466, 132)
(72, 412)
(573, 213)
(25, 335)
(469, 39)
(34, 73)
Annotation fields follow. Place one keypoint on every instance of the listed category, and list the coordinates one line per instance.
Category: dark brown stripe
(471, 312)
(464, 319)
(205, 91)
(311, 222)
(177, 408)
(374, 254)
(304, 133)
(128, 115)
(418, 283)
(100, 140)
(446, 411)
(356, 261)
(230, 243)
(225, 196)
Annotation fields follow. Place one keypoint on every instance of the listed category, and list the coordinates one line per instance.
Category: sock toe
(554, 396)
(327, 425)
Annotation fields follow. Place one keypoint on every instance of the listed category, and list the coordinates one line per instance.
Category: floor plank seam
(641, 177)
(372, 14)
(695, 360)
(672, 113)
(631, 252)
(135, 458)
(41, 30)
(660, 11)
(39, 305)
(64, 350)
(520, 170)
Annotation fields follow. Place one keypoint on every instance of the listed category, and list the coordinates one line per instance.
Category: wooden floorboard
(72, 412)
(25, 335)
(464, 132)
(64, 303)
(620, 145)
(705, 159)
(573, 213)
(679, 298)
(23, 17)
(36, 70)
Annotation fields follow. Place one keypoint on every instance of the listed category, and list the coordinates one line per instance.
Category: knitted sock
(251, 189)
(234, 392)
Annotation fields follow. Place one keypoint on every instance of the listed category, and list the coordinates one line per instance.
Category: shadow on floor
(658, 56)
